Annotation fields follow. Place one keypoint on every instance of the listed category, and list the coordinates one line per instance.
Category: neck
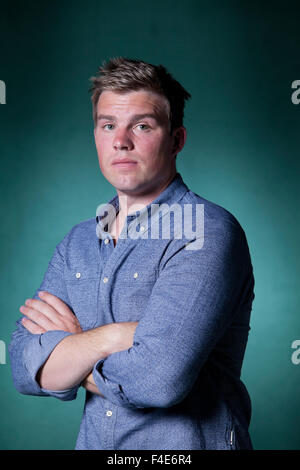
(131, 203)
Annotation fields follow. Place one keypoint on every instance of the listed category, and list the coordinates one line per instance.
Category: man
(153, 326)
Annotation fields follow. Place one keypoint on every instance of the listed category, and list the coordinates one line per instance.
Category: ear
(179, 138)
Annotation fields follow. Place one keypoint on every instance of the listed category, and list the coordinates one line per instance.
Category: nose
(122, 140)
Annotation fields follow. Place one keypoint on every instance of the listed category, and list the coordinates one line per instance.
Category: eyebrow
(136, 117)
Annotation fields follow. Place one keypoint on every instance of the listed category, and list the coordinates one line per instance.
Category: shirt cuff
(35, 355)
(111, 390)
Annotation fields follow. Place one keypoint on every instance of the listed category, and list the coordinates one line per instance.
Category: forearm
(74, 357)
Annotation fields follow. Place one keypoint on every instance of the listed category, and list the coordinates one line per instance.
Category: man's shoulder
(84, 226)
(82, 232)
(216, 217)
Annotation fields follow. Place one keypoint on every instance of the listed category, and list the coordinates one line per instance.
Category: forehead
(141, 101)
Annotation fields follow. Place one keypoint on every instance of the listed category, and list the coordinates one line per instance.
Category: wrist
(117, 337)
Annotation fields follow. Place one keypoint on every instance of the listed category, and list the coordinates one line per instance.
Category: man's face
(135, 149)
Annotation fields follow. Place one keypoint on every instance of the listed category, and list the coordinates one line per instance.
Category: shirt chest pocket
(131, 293)
(83, 297)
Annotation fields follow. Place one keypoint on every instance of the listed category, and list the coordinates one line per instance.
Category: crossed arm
(72, 360)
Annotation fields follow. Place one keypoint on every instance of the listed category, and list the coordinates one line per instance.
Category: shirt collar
(170, 195)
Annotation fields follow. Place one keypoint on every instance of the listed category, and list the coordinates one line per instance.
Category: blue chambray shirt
(178, 386)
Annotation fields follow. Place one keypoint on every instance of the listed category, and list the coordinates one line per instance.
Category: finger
(56, 303)
(69, 318)
(45, 309)
(32, 327)
(39, 318)
(58, 321)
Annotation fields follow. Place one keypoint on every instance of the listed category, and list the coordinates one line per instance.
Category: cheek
(102, 148)
(152, 147)
(156, 153)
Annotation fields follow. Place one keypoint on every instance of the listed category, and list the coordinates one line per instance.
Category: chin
(126, 184)
(127, 188)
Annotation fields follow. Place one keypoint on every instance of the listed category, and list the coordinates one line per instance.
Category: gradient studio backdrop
(238, 60)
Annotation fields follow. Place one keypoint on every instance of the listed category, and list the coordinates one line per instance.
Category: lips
(123, 162)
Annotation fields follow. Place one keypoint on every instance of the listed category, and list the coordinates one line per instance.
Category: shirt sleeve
(27, 351)
(193, 302)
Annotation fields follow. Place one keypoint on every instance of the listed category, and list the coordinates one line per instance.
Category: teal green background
(238, 60)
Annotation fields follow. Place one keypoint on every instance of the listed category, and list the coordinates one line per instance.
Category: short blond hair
(124, 75)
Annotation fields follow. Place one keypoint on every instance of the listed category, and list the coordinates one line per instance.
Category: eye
(108, 127)
(143, 127)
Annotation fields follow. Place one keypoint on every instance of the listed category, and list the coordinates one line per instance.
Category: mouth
(124, 163)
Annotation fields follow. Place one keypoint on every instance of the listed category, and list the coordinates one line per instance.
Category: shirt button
(108, 413)
(142, 228)
(78, 275)
(105, 279)
(106, 241)
(135, 275)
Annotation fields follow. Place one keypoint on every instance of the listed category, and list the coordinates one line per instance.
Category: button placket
(108, 425)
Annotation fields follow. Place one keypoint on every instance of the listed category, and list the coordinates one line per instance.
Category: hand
(50, 313)
(89, 384)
